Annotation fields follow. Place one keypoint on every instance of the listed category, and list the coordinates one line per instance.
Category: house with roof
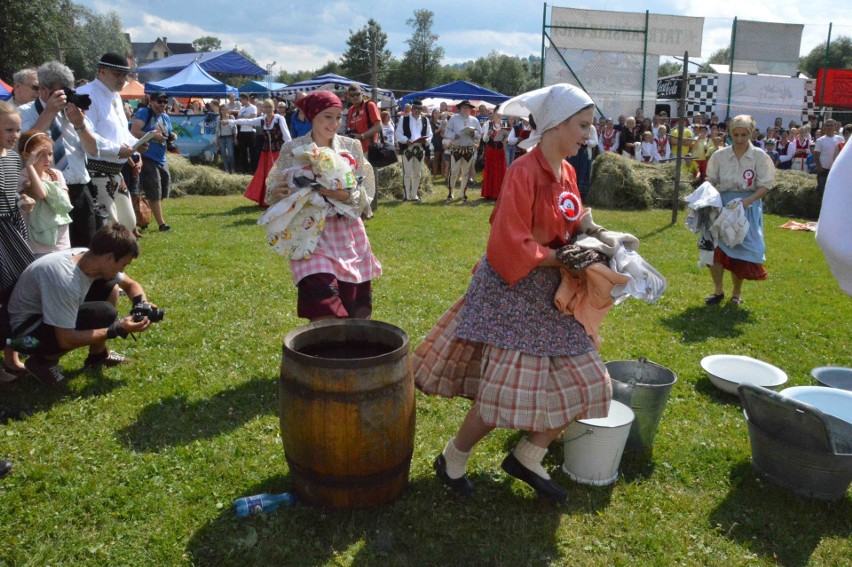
(149, 52)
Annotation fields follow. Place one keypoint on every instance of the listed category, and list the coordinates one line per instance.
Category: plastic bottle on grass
(265, 503)
(25, 345)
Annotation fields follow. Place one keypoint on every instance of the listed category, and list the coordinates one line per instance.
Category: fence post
(543, 27)
(824, 77)
(731, 68)
(681, 109)
(644, 62)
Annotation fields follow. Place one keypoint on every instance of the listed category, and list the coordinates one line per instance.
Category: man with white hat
(412, 133)
(107, 116)
(463, 133)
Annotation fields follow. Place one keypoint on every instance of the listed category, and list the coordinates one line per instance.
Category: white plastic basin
(727, 371)
(834, 377)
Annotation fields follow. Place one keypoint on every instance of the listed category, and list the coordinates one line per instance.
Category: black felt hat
(114, 61)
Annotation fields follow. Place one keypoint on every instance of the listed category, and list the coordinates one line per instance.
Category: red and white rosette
(748, 178)
(569, 204)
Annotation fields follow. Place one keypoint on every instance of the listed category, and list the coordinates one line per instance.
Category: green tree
(669, 68)
(92, 36)
(839, 56)
(207, 43)
(246, 54)
(421, 64)
(31, 33)
(357, 61)
(720, 57)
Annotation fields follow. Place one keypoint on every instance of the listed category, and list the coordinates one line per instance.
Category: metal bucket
(593, 447)
(644, 387)
(797, 446)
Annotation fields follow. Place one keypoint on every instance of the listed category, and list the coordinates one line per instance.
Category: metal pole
(644, 61)
(824, 77)
(543, 26)
(374, 65)
(681, 109)
(731, 68)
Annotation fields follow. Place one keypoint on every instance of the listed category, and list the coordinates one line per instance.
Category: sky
(292, 35)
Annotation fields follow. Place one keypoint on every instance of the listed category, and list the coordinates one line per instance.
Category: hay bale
(389, 181)
(617, 184)
(621, 183)
(195, 179)
(794, 194)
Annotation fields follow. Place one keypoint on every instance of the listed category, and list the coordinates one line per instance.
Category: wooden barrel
(346, 405)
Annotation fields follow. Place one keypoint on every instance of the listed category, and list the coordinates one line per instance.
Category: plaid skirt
(512, 390)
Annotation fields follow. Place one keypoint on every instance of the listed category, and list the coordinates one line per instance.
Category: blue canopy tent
(191, 81)
(264, 87)
(224, 62)
(331, 82)
(457, 91)
(5, 93)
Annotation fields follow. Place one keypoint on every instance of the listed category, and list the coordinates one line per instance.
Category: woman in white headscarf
(525, 364)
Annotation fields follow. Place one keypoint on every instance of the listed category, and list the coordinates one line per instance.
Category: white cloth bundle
(646, 283)
(731, 226)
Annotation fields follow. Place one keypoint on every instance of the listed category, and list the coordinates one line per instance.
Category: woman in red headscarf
(334, 283)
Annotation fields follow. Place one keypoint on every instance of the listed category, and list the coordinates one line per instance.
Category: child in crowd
(664, 148)
(647, 151)
(44, 187)
(699, 150)
(773, 155)
(689, 172)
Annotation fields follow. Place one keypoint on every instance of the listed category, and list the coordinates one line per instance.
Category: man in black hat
(413, 132)
(463, 134)
(115, 140)
(155, 177)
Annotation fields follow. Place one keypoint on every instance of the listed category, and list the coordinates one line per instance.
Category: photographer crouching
(67, 300)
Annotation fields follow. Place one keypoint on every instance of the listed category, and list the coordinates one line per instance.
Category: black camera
(81, 101)
(142, 310)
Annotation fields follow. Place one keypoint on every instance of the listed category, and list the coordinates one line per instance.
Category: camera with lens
(81, 101)
(142, 310)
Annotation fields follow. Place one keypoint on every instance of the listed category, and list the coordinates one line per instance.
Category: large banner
(613, 80)
(767, 48)
(838, 88)
(624, 32)
(763, 97)
(196, 133)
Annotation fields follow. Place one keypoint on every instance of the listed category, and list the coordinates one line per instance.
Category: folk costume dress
(495, 160)
(738, 178)
(275, 135)
(504, 344)
(343, 249)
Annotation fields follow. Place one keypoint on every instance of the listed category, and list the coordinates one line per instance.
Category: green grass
(139, 465)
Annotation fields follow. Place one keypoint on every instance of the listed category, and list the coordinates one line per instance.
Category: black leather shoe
(544, 487)
(461, 486)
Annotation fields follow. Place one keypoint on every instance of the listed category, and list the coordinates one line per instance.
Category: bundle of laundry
(601, 268)
(714, 222)
(294, 224)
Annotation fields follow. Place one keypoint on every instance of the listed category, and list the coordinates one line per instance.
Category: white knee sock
(531, 456)
(456, 460)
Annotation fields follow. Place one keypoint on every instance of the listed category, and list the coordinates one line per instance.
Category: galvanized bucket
(644, 387)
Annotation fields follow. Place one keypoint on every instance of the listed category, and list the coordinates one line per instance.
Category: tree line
(34, 32)
(421, 67)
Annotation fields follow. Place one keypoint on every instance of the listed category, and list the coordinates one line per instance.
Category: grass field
(139, 465)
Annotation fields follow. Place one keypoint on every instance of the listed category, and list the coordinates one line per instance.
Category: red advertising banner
(838, 88)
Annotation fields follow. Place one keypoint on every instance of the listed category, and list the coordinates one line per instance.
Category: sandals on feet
(714, 299)
(736, 300)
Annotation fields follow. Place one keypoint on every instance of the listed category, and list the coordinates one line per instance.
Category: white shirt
(415, 126)
(833, 235)
(260, 122)
(828, 149)
(249, 111)
(455, 127)
(108, 120)
(75, 172)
